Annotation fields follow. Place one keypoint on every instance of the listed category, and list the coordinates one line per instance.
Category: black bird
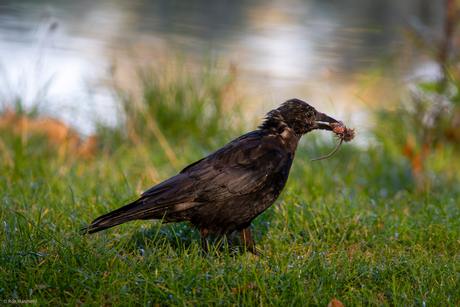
(226, 190)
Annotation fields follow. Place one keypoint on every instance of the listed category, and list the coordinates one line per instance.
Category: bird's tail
(114, 218)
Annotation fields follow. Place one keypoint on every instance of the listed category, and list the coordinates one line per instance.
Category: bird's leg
(248, 241)
(204, 234)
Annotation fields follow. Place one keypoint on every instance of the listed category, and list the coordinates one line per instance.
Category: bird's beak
(323, 121)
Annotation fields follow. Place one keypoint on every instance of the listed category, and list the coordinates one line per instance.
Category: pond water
(313, 50)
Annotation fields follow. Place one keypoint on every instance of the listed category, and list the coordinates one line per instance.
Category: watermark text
(13, 301)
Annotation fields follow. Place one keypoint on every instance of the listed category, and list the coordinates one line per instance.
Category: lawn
(354, 226)
(370, 226)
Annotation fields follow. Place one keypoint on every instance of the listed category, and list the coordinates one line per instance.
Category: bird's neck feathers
(274, 122)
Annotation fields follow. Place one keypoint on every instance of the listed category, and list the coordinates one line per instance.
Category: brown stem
(335, 150)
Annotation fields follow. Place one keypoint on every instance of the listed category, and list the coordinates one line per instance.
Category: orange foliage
(65, 139)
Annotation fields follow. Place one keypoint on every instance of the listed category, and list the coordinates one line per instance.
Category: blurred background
(318, 51)
(94, 74)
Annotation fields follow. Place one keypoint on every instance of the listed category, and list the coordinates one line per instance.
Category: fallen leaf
(335, 303)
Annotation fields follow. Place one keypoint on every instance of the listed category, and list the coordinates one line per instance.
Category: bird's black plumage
(226, 190)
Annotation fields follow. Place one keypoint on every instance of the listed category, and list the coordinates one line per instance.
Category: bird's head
(298, 116)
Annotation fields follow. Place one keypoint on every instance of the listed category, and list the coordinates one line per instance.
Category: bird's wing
(240, 167)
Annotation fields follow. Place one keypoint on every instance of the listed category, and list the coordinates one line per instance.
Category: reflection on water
(285, 49)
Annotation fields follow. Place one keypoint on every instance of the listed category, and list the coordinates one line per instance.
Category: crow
(223, 192)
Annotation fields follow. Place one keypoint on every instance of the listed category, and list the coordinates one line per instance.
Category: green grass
(357, 226)
(353, 226)
(201, 99)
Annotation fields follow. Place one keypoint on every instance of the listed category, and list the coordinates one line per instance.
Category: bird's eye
(309, 114)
